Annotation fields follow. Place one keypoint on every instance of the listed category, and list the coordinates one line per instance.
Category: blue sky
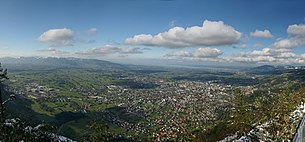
(205, 31)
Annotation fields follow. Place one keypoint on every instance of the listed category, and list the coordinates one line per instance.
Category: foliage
(16, 129)
(3, 76)
(252, 110)
(101, 133)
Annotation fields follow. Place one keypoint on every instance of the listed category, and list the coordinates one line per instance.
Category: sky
(207, 32)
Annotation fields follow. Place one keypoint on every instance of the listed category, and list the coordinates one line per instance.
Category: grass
(37, 108)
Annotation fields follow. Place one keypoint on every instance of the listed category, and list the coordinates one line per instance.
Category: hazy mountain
(24, 63)
(267, 70)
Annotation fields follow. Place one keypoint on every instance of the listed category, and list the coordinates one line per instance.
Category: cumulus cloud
(199, 53)
(211, 33)
(263, 56)
(296, 37)
(286, 43)
(296, 30)
(268, 55)
(261, 34)
(110, 49)
(258, 59)
(91, 31)
(57, 37)
(180, 53)
(207, 53)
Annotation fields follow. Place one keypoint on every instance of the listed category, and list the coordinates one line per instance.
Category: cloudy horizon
(203, 32)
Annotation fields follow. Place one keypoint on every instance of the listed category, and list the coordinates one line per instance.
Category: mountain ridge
(52, 62)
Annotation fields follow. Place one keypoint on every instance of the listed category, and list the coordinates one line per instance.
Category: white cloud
(257, 45)
(282, 53)
(292, 42)
(180, 53)
(207, 53)
(296, 30)
(209, 34)
(296, 37)
(263, 52)
(57, 37)
(55, 53)
(261, 34)
(199, 53)
(110, 49)
(267, 55)
(91, 31)
(258, 59)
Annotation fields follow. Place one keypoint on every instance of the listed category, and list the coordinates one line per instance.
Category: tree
(3, 77)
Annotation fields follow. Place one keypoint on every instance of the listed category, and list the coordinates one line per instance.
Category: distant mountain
(35, 63)
(267, 70)
(270, 67)
(265, 67)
